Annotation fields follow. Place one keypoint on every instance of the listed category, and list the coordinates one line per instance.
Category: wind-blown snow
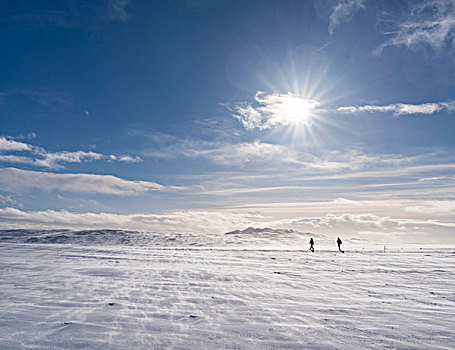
(119, 290)
(247, 238)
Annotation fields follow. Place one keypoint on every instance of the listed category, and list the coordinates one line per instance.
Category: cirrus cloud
(431, 23)
(398, 109)
(23, 180)
(343, 11)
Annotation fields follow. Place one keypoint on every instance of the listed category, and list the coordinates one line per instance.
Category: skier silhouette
(311, 245)
(339, 242)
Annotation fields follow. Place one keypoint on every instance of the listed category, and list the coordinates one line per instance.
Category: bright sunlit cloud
(274, 109)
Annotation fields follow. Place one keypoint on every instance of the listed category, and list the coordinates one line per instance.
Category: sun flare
(295, 110)
(275, 109)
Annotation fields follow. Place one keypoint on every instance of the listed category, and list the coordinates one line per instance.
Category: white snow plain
(86, 296)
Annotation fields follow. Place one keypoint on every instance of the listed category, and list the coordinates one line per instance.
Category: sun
(296, 110)
(286, 109)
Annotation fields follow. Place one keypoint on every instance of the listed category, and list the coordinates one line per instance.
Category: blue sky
(197, 116)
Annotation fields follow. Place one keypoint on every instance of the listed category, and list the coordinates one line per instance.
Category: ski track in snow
(63, 296)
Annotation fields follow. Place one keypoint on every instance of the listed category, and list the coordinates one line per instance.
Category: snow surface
(116, 290)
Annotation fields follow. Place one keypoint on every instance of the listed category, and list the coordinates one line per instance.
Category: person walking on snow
(339, 242)
(311, 245)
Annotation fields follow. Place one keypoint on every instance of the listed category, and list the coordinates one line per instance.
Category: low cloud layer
(185, 221)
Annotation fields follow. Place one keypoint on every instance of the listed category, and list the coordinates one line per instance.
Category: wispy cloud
(343, 11)
(126, 158)
(6, 199)
(228, 154)
(430, 22)
(274, 109)
(43, 100)
(433, 207)
(246, 153)
(23, 180)
(117, 9)
(54, 160)
(398, 109)
(24, 153)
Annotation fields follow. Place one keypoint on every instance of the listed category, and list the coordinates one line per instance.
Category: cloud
(54, 160)
(233, 154)
(23, 180)
(369, 222)
(285, 157)
(39, 157)
(182, 221)
(29, 136)
(343, 11)
(51, 160)
(433, 207)
(6, 199)
(126, 158)
(215, 223)
(274, 109)
(398, 109)
(16, 159)
(246, 153)
(11, 145)
(430, 23)
(117, 10)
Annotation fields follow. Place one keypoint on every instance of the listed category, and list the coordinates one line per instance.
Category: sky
(335, 117)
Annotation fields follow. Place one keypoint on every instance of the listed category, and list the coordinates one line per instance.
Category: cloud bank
(184, 221)
(210, 222)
